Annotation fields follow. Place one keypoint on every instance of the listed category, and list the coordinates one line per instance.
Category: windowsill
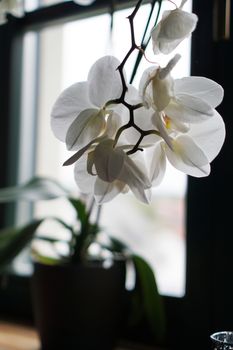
(18, 337)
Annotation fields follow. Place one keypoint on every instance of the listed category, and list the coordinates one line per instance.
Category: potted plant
(79, 298)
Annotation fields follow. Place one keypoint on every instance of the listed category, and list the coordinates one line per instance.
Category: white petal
(164, 72)
(206, 89)
(209, 135)
(104, 81)
(136, 179)
(84, 180)
(90, 163)
(155, 41)
(162, 91)
(112, 125)
(189, 109)
(105, 191)
(87, 126)
(145, 85)
(174, 27)
(158, 165)
(132, 95)
(108, 161)
(155, 33)
(188, 157)
(177, 25)
(69, 104)
(157, 121)
(143, 195)
(75, 157)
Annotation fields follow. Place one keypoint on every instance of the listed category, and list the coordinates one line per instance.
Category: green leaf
(61, 222)
(117, 246)
(38, 188)
(47, 260)
(14, 240)
(80, 209)
(150, 298)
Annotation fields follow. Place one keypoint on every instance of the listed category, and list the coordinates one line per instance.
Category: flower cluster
(122, 136)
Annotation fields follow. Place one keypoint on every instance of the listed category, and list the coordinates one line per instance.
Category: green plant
(83, 233)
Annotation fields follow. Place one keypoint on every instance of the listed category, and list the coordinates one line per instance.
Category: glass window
(66, 53)
(31, 5)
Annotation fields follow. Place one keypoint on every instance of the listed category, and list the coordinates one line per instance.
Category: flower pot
(79, 307)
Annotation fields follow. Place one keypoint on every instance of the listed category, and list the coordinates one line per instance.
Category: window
(209, 241)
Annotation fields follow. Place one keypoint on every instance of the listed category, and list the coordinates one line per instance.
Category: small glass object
(222, 340)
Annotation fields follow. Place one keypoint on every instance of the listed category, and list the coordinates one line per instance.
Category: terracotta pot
(79, 307)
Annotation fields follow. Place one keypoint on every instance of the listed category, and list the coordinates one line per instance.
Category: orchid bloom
(80, 114)
(107, 171)
(192, 132)
(175, 26)
(82, 119)
(14, 7)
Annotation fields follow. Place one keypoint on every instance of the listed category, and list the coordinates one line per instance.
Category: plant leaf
(47, 260)
(38, 188)
(80, 209)
(117, 246)
(13, 240)
(151, 300)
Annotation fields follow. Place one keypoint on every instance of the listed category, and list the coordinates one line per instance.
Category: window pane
(31, 5)
(156, 231)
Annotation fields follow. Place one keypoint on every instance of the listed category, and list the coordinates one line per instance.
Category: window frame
(208, 243)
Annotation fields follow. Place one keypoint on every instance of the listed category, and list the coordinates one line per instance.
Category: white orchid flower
(107, 171)
(175, 26)
(192, 151)
(192, 132)
(178, 103)
(82, 119)
(14, 7)
(79, 115)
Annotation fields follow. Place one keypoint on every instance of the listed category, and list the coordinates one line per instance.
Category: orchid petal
(132, 95)
(80, 153)
(136, 179)
(112, 125)
(164, 72)
(108, 161)
(155, 34)
(84, 181)
(104, 81)
(145, 86)
(69, 104)
(105, 191)
(175, 26)
(159, 124)
(189, 109)
(188, 157)
(162, 91)
(209, 135)
(158, 165)
(90, 163)
(87, 126)
(206, 89)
